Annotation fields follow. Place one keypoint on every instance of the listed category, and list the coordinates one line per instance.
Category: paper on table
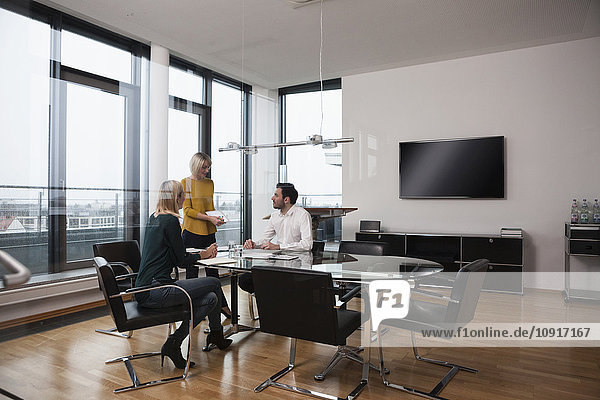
(217, 261)
(218, 213)
(193, 250)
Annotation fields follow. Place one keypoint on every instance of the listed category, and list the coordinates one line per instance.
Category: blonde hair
(167, 198)
(197, 162)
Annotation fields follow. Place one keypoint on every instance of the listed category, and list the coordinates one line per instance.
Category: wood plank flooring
(68, 362)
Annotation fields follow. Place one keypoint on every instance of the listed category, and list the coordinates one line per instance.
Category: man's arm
(306, 239)
(267, 235)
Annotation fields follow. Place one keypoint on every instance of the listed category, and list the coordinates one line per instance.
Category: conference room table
(344, 268)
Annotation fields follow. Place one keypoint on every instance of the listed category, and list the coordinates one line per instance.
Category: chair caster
(319, 377)
(209, 347)
(386, 371)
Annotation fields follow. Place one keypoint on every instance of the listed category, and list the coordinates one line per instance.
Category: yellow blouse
(198, 198)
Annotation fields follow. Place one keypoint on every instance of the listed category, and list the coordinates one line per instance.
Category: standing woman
(163, 250)
(198, 227)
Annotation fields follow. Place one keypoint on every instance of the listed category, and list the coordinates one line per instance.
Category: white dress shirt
(293, 229)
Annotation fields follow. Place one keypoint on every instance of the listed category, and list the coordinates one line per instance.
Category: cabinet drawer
(495, 249)
(442, 249)
(585, 247)
(582, 232)
(503, 279)
(396, 242)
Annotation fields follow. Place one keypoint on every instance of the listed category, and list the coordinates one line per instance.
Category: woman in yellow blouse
(198, 228)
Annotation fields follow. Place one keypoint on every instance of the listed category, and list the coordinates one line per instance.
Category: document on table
(217, 261)
(218, 213)
(267, 255)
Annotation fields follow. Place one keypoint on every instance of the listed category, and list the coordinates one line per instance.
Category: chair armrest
(434, 295)
(349, 295)
(126, 276)
(123, 265)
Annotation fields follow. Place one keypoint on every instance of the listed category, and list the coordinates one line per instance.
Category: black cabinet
(442, 249)
(583, 241)
(455, 250)
(396, 241)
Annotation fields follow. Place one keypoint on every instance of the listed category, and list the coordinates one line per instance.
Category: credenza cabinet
(580, 241)
(455, 250)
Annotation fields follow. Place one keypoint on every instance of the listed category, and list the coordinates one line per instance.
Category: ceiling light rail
(313, 140)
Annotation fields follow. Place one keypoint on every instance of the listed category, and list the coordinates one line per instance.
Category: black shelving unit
(581, 240)
(505, 253)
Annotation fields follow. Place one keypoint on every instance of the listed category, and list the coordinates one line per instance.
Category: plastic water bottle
(584, 214)
(596, 212)
(231, 249)
(574, 212)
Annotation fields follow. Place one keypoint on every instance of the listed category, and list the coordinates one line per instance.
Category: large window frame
(331, 229)
(59, 77)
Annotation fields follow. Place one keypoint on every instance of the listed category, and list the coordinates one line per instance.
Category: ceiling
(275, 43)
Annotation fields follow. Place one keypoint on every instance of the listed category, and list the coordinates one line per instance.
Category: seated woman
(162, 251)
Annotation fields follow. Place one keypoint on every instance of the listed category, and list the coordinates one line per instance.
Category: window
(227, 127)
(302, 118)
(66, 176)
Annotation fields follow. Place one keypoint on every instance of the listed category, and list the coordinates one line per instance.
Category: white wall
(545, 101)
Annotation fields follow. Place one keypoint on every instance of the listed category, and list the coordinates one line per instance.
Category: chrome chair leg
(348, 352)
(114, 332)
(253, 315)
(434, 393)
(272, 381)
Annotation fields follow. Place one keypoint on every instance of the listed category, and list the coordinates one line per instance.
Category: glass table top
(344, 267)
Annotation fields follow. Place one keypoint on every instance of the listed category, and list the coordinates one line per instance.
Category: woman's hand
(210, 252)
(216, 221)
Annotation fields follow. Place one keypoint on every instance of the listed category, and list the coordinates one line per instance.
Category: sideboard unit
(453, 251)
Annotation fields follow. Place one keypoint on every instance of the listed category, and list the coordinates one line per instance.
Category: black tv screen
(453, 168)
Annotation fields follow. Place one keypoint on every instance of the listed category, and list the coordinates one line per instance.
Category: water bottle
(231, 249)
(596, 212)
(584, 214)
(574, 212)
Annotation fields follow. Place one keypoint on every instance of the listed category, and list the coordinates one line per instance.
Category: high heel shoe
(217, 338)
(172, 349)
(225, 311)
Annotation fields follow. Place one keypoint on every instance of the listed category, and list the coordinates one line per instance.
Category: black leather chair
(300, 304)
(128, 317)
(318, 247)
(124, 258)
(365, 248)
(353, 247)
(422, 315)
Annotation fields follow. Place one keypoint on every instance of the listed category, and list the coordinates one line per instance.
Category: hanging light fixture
(314, 140)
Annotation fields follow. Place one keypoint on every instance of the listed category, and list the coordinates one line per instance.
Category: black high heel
(217, 338)
(225, 313)
(172, 349)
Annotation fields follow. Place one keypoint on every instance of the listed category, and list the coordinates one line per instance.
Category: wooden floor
(68, 362)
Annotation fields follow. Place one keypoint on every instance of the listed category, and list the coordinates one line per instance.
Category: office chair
(124, 258)
(318, 247)
(364, 248)
(129, 317)
(353, 247)
(300, 304)
(424, 315)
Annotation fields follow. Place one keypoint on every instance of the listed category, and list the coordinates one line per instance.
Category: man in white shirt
(290, 223)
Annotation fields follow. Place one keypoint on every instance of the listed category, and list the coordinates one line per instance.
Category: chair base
(136, 384)
(114, 332)
(350, 353)
(434, 393)
(272, 381)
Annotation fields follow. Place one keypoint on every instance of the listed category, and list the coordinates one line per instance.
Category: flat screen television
(452, 168)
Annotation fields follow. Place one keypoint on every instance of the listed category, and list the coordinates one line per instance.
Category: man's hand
(270, 246)
(210, 252)
(249, 244)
